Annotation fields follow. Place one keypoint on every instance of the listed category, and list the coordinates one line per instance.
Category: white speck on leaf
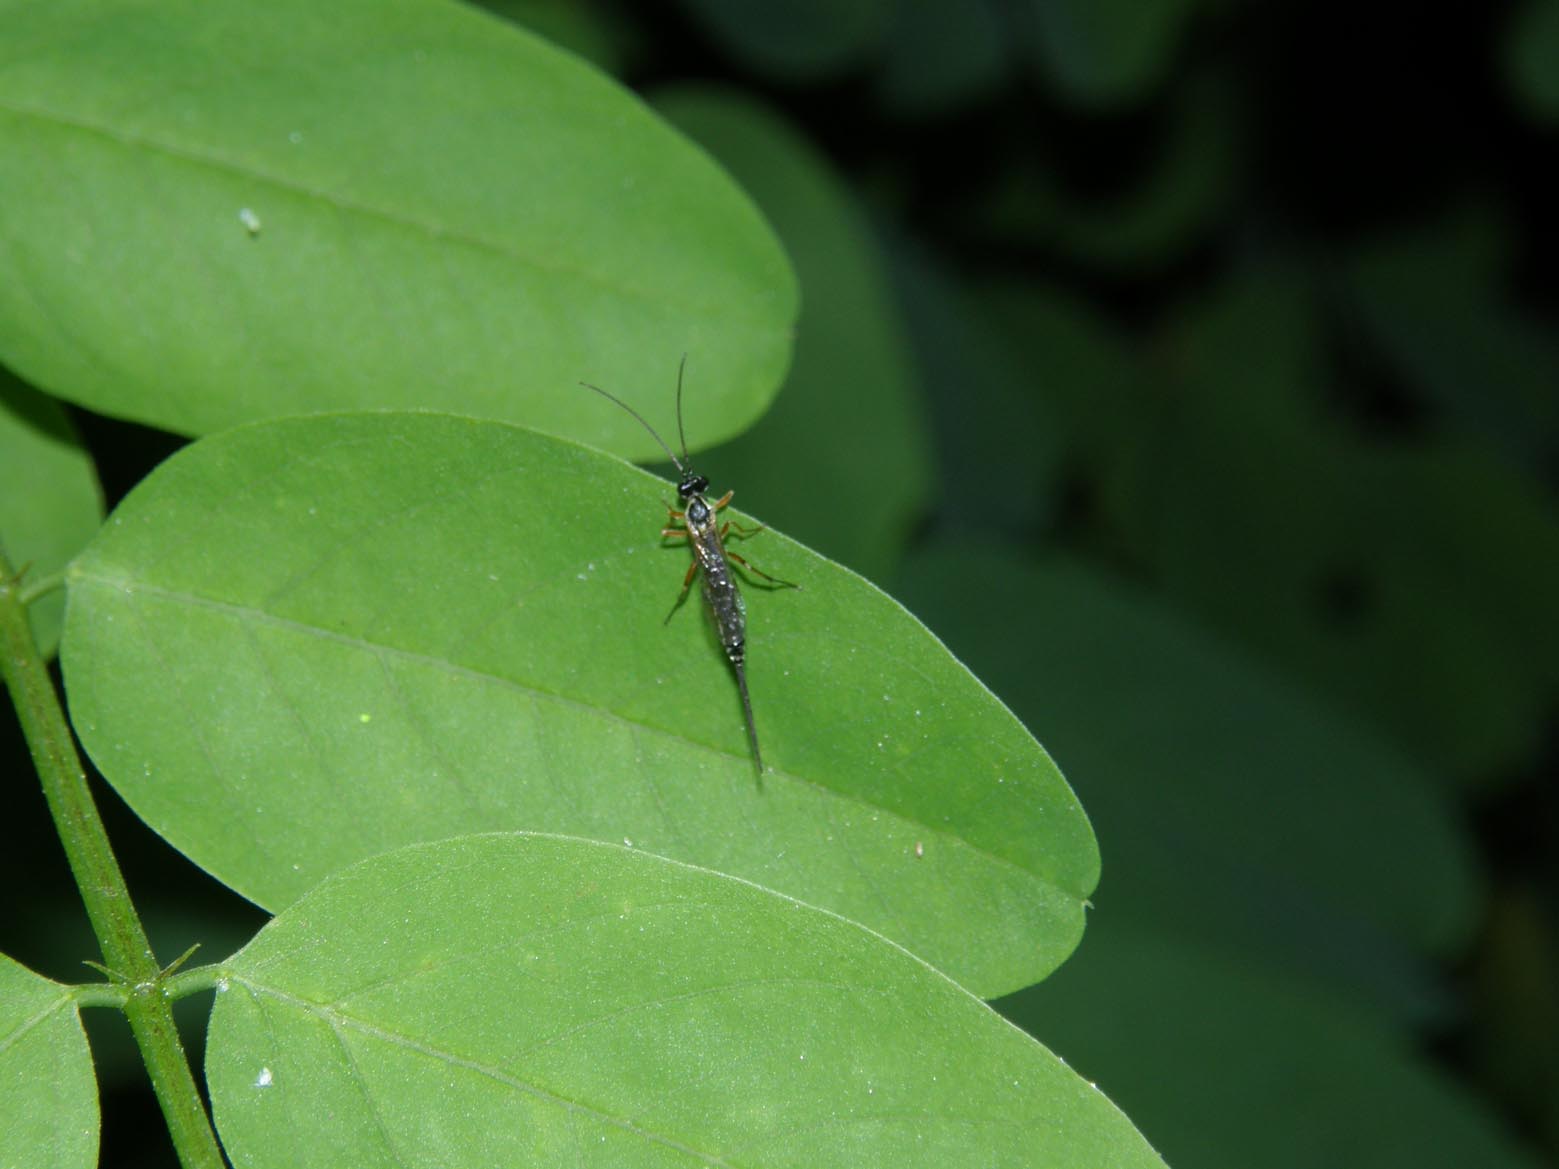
(263, 1080)
(250, 220)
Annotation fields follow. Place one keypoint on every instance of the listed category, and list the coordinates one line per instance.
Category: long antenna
(614, 398)
(682, 365)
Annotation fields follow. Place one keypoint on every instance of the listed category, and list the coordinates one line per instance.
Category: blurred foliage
(1531, 48)
(1230, 1065)
(940, 53)
(1344, 861)
(793, 39)
(1103, 52)
(50, 502)
(1192, 370)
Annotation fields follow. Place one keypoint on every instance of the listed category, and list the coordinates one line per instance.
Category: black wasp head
(691, 484)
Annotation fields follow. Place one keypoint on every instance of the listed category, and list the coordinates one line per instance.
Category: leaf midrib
(655, 298)
(261, 617)
(338, 1021)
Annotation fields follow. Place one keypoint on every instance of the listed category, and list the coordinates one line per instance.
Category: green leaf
(50, 503)
(303, 642)
(217, 212)
(581, 28)
(530, 1000)
(1229, 1067)
(1235, 808)
(48, 1098)
(843, 459)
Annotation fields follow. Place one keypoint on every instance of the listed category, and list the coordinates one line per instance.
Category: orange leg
(743, 533)
(687, 583)
(774, 580)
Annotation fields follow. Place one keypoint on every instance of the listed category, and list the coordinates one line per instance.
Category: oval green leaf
(530, 1000)
(304, 642)
(217, 212)
(48, 1096)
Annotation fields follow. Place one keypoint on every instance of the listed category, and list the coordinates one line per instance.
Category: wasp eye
(692, 485)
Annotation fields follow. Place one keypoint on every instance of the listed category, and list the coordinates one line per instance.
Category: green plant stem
(201, 978)
(41, 586)
(100, 994)
(119, 933)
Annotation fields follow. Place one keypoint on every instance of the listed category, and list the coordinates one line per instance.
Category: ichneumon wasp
(702, 528)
